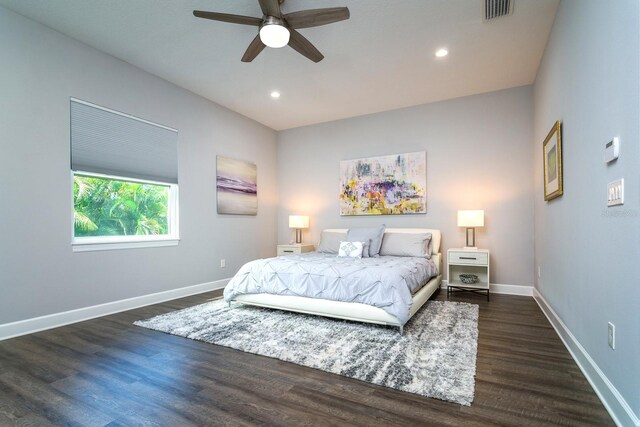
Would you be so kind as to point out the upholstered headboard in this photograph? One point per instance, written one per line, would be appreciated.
(435, 234)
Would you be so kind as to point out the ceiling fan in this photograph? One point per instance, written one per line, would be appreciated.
(278, 29)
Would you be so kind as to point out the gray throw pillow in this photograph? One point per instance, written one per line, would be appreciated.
(330, 242)
(364, 234)
(406, 244)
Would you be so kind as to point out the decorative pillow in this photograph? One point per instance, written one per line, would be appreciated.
(364, 234)
(406, 244)
(350, 249)
(365, 247)
(330, 241)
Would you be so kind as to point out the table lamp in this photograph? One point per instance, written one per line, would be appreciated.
(471, 220)
(298, 222)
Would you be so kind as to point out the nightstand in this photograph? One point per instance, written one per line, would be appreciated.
(461, 261)
(294, 248)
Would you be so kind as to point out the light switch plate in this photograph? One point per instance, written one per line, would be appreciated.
(615, 193)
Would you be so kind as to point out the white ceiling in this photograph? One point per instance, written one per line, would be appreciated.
(380, 59)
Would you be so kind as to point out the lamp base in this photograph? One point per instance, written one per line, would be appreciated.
(471, 242)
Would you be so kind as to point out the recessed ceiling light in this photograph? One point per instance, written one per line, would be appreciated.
(441, 53)
(275, 94)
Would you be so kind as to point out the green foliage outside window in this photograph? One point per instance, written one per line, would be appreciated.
(109, 207)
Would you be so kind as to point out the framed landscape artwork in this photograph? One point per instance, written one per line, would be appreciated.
(385, 185)
(552, 153)
(236, 185)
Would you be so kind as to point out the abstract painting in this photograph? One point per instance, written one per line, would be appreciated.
(552, 152)
(236, 182)
(385, 185)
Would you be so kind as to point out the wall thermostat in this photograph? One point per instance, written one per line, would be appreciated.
(612, 150)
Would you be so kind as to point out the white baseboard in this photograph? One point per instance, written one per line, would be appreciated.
(36, 324)
(496, 288)
(613, 401)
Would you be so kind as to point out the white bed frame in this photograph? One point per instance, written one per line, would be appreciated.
(351, 310)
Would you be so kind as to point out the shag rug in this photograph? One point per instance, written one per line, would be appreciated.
(436, 356)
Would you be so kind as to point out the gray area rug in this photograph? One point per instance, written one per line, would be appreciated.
(436, 356)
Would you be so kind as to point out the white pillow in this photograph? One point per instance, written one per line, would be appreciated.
(350, 249)
(365, 247)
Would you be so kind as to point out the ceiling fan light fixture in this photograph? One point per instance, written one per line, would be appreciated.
(278, 30)
(273, 33)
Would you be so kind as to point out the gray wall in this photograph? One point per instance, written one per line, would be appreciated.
(39, 273)
(478, 157)
(589, 254)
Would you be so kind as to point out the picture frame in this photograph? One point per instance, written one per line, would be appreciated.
(552, 162)
(393, 184)
(236, 186)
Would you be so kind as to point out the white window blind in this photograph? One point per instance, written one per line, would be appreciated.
(108, 142)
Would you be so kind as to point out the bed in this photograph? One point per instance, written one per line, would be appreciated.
(385, 290)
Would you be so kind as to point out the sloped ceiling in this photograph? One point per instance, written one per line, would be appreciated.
(382, 58)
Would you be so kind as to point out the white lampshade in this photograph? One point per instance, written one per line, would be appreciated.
(274, 35)
(298, 221)
(471, 218)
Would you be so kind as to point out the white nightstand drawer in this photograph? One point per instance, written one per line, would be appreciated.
(288, 251)
(469, 257)
(293, 249)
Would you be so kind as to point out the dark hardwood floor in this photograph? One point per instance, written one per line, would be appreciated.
(108, 372)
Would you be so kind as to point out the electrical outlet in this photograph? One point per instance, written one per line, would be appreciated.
(612, 336)
(223, 263)
(539, 272)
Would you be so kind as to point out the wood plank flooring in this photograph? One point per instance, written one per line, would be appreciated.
(108, 372)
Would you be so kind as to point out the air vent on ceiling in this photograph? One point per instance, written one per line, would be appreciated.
(496, 8)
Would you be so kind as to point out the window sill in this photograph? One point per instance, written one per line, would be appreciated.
(109, 246)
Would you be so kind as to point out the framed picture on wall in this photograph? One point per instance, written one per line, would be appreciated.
(552, 154)
(237, 186)
(384, 185)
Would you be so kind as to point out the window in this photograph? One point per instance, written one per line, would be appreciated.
(111, 206)
(125, 180)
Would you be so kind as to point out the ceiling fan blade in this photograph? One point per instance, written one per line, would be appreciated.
(253, 50)
(270, 8)
(304, 46)
(225, 17)
(316, 17)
